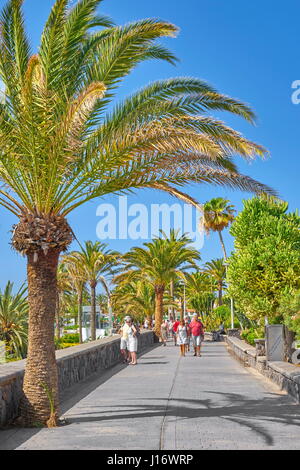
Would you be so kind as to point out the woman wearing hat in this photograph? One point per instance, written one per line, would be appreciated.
(124, 341)
(132, 341)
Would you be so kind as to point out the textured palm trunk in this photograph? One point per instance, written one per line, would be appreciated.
(159, 308)
(57, 317)
(181, 309)
(93, 311)
(172, 298)
(79, 301)
(40, 403)
(223, 245)
(220, 294)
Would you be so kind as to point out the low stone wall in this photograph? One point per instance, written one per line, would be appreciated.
(284, 374)
(75, 364)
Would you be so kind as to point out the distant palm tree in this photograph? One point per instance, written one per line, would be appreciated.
(218, 214)
(96, 263)
(199, 290)
(160, 262)
(135, 298)
(63, 143)
(77, 279)
(217, 269)
(14, 320)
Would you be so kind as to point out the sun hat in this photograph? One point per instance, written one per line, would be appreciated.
(127, 318)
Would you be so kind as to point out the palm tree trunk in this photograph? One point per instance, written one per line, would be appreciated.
(57, 317)
(172, 298)
(40, 403)
(223, 245)
(181, 309)
(93, 311)
(220, 294)
(159, 308)
(79, 300)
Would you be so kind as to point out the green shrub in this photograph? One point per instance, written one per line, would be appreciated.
(70, 338)
(251, 334)
(71, 327)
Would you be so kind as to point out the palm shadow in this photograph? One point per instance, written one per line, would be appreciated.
(238, 408)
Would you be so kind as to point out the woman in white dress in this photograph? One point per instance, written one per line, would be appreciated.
(182, 337)
(124, 341)
(132, 341)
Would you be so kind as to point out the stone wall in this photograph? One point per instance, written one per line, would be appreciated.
(75, 364)
(284, 374)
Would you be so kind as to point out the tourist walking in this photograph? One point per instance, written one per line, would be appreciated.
(182, 337)
(164, 332)
(187, 324)
(132, 341)
(174, 330)
(123, 331)
(197, 330)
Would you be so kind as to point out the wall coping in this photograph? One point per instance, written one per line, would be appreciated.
(241, 344)
(290, 371)
(9, 370)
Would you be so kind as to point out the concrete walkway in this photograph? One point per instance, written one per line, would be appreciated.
(167, 402)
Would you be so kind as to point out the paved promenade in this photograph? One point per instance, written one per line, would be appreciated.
(168, 402)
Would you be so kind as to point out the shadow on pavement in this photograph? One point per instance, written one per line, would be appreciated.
(247, 412)
(12, 437)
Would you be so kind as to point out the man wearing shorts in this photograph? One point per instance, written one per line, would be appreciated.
(197, 331)
(174, 330)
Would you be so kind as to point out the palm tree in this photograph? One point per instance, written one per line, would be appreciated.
(160, 262)
(135, 298)
(63, 143)
(14, 320)
(63, 288)
(199, 291)
(96, 262)
(217, 270)
(77, 279)
(218, 214)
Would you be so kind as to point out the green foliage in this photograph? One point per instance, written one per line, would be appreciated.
(266, 261)
(71, 327)
(70, 338)
(160, 261)
(14, 321)
(290, 310)
(71, 143)
(249, 335)
(222, 314)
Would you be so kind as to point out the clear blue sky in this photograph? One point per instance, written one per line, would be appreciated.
(249, 50)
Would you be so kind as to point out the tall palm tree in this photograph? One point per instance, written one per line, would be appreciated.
(96, 262)
(14, 320)
(160, 262)
(218, 214)
(217, 270)
(63, 143)
(63, 288)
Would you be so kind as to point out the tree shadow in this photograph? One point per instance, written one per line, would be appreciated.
(251, 413)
